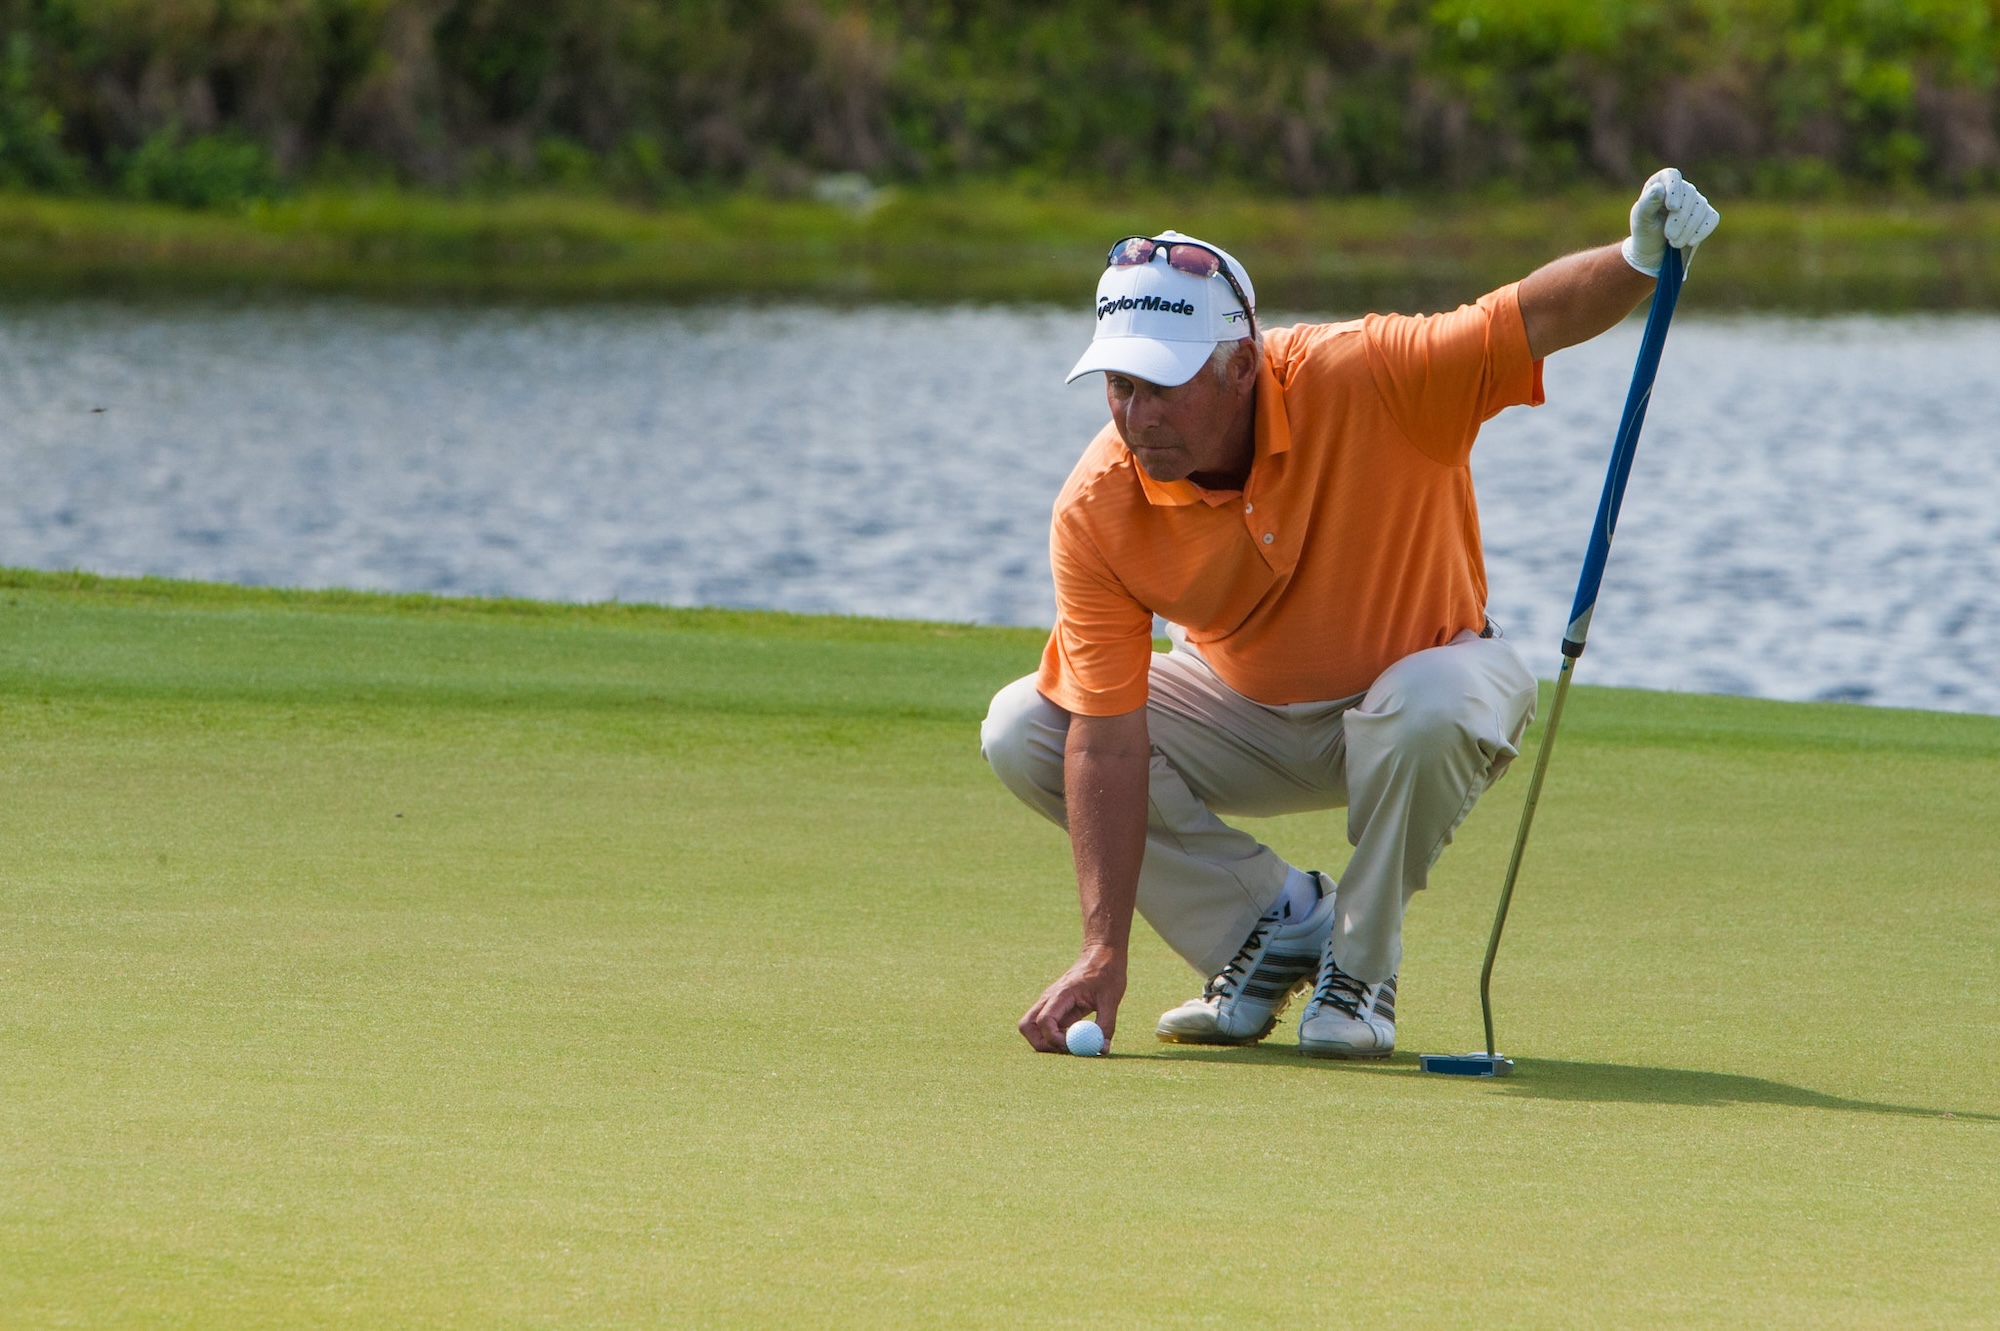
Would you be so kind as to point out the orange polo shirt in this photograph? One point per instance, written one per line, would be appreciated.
(1354, 543)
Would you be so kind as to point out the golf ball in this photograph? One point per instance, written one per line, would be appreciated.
(1086, 1038)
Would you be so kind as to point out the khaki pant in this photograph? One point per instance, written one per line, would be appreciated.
(1408, 759)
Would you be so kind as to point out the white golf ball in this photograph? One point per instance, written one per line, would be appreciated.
(1086, 1039)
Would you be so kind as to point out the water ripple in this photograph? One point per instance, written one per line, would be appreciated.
(1813, 514)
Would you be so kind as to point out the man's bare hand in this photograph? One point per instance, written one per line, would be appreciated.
(1096, 983)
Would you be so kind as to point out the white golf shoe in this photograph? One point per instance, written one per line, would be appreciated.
(1346, 1018)
(1243, 1001)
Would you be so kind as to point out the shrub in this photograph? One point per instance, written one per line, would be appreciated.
(31, 150)
(657, 96)
(207, 171)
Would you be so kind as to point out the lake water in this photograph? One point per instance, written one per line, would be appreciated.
(1815, 512)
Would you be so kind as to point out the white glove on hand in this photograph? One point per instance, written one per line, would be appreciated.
(1669, 212)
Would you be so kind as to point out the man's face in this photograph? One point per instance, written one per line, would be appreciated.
(1190, 429)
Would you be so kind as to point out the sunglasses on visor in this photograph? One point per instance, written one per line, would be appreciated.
(1183, 256)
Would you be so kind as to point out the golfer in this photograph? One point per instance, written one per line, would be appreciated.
(1296, 504)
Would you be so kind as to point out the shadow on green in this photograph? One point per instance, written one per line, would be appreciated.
(1600, 1083)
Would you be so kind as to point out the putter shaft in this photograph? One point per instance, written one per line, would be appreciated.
(1673, 269)
(1520, 846)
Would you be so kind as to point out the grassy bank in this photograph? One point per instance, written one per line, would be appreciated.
(972, 244)
(394, 961)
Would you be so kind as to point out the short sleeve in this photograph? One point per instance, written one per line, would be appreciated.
(1101, 650)
(1442, 375)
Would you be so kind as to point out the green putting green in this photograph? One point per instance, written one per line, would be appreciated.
(390, 962)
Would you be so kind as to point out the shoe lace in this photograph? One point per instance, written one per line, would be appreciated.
(1341, 990)
(1224, 982)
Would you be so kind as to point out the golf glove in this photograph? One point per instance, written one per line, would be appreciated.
(1669, 212)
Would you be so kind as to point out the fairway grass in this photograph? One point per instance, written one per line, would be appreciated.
(398, 962)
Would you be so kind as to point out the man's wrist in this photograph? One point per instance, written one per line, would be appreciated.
(1105, 950)
(1630, 249)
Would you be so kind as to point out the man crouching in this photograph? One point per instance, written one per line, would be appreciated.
(1297, 504)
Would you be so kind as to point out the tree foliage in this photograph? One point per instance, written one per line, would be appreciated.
(209, 98)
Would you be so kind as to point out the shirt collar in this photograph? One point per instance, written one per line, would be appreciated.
(1273, 435)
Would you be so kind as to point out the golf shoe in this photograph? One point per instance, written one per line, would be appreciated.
(1243, 1001)
(1346, 1018)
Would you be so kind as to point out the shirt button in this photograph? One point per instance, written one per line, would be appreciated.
(1249, 508)
(1269, 537)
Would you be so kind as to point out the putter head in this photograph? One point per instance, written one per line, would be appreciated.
(1466, 1065)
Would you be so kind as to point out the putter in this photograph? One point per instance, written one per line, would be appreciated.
(1665, 296)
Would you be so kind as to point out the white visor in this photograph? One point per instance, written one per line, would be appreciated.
(1159, 324)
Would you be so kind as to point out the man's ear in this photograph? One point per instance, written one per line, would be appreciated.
(1243, 365)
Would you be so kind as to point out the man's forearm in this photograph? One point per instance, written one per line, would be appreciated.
(1105, 761)
(1104, 787)
(1579, 296)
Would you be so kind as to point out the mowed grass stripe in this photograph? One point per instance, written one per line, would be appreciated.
(681, 991)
